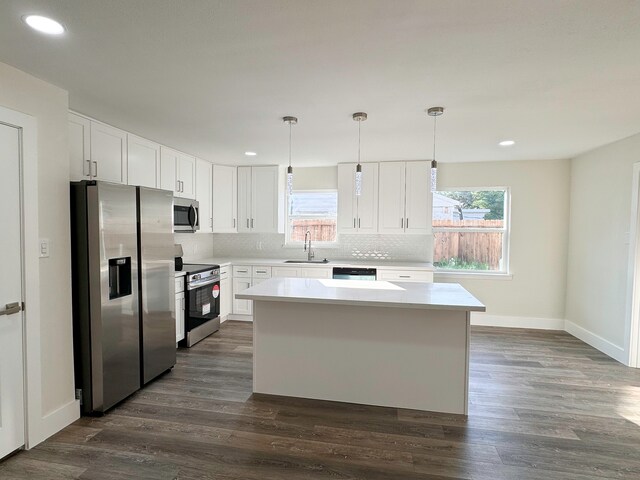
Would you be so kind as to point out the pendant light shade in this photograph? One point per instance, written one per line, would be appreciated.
(434, 112)
(291, 121)
(359, 117)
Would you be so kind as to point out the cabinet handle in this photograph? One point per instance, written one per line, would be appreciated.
(261, 271)
(354, 223)
(247, 223)
(358, 223)
(83, 168)
(177, 185)
(252, 223)
(211, 222)
(407, 222)
(402, 223)
(95, 164)
(404, 276)
(234, 223)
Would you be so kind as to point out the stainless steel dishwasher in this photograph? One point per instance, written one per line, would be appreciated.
(351, 273)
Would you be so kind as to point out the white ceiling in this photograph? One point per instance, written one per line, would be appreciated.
(214, 78)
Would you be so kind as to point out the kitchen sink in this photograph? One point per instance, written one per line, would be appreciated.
(307, 261)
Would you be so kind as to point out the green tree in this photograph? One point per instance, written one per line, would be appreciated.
(492, 200)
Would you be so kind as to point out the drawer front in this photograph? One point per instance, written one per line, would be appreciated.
(406, 275)
(224, 273)
(180, 284)
(243, 272)
(285, 272)
(261, 272)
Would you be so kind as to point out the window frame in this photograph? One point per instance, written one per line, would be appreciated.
(316, 243)
(506, 236)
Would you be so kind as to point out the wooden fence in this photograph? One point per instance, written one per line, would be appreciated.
(322, 230)
(481, 247)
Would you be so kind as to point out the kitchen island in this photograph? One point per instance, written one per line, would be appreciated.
(391, 344)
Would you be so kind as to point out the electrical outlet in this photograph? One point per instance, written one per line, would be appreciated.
(44, 248)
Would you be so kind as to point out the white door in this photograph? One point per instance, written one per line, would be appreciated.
(264, 199)
(225, 199)
(346, 198)
(391, 197)
(12, 418)
(244, 199)
(168, 170)
(418, 203)
(108, 153)
(187, 175)
(204, 178)
(368, 201)
(143, 162)
(79, 148)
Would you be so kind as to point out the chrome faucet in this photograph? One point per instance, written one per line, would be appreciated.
(310, 253)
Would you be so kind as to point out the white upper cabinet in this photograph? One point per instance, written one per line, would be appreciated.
(392, 197)
(79, 147)
(143, 162)
(108, 153)
(260, 199)
(204, 179)
(418, 198)
(357, 213)
(405, 199)
(225, 199)
(178, 173)
(186, 171)
(168, 170)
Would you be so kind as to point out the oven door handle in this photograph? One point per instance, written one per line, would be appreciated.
(193, 286)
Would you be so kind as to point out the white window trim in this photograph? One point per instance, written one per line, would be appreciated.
(288, 243)
(505, 273)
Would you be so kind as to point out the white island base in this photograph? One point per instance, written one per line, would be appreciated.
(393, 356)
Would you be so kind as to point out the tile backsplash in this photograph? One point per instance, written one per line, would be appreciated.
(195, 245)
(348, 247)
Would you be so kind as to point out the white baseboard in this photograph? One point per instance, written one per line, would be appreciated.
(241, 318)
(596, 341)
(55, 421)
(484, 319)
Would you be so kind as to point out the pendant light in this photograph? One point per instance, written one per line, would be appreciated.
(434, 112)
(359, 117)
(291, 121)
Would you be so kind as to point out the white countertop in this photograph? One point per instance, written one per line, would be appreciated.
(280, 262)
(430, 296)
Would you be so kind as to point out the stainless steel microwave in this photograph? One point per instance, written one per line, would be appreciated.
(186, 215)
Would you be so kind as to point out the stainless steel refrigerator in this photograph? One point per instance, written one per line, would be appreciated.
(123, 290)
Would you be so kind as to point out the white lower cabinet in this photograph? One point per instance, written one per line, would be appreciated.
(180, 314)
(315, 272)
(279, 272)
(241, 307)
(405, 275)
(226, 297)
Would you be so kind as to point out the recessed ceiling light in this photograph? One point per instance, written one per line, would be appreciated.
(507, 143)
(43, 24)
(250, 154)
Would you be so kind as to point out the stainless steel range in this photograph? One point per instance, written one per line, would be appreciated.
(202, 295)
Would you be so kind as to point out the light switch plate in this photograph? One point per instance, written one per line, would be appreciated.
(44, 248)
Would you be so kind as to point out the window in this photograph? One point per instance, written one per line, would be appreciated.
(471, 230)
(314, 211)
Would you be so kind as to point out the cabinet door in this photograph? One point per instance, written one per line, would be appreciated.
(180, 305)
(285, 272)
(241, 307)
(168, 170)
(368, 201)
(143, 162)
(244, 199)
(225, 199)
(108, 153)
(418, 198)
(187, 175)
(315, 272)
(391, 197)
(204, 179)
(79, 147)
(346, 198)
(264, 199)
(226, 298)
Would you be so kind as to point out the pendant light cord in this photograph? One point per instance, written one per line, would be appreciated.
(359, 123)
(289, 144)
(435, 119)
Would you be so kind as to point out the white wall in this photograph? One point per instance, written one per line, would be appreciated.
(535, 296)
(49, 105)
(601, 182)
(315, 178)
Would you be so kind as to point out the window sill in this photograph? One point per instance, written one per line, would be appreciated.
(451, 275)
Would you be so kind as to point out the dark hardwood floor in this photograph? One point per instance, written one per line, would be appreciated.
(543, 405)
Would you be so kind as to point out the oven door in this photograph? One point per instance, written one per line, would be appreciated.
(186, 216)
(203, 304)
